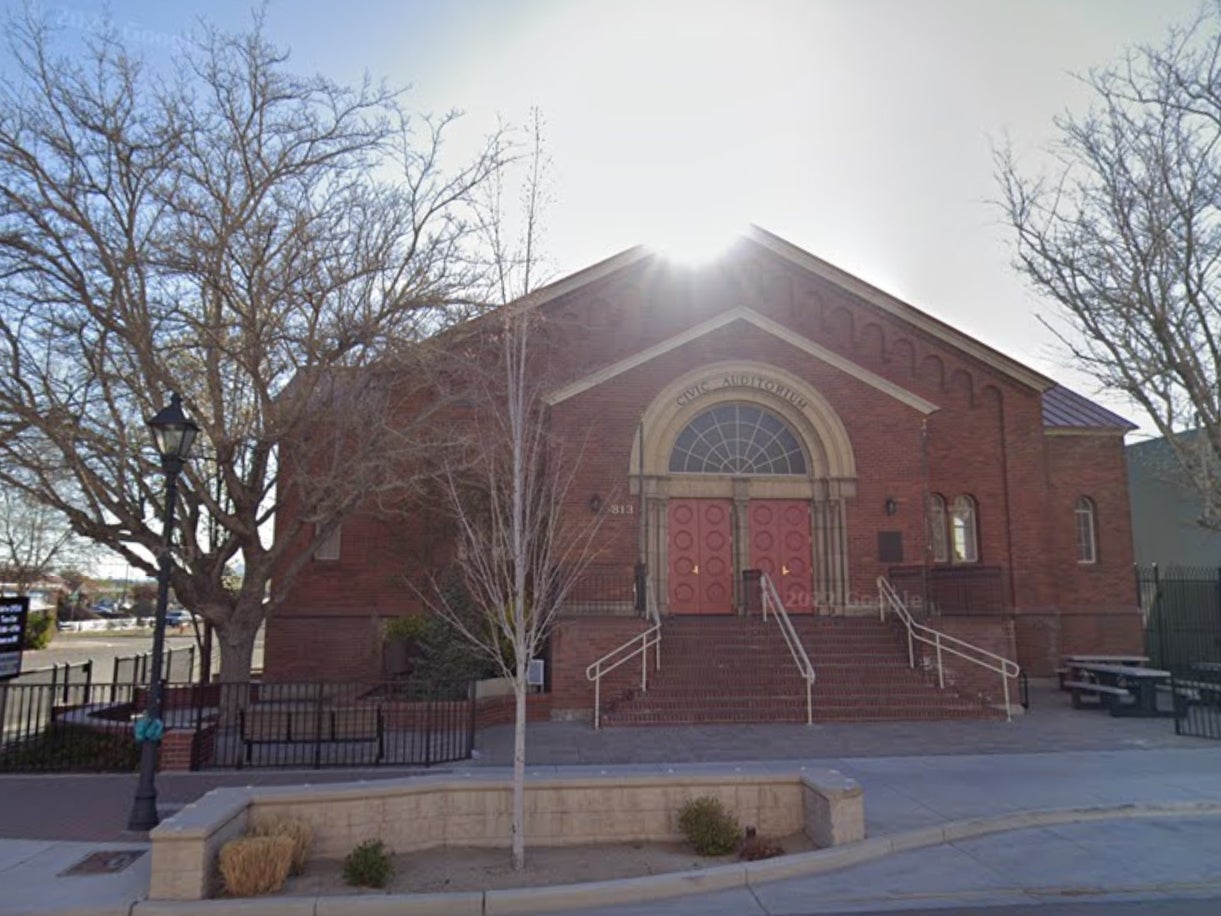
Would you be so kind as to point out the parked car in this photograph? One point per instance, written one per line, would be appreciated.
(177, 617)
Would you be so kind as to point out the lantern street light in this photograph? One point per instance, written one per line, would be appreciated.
(173, 433)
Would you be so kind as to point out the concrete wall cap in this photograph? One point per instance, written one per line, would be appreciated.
(215, 808)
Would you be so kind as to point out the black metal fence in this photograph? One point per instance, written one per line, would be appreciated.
(386, 723)
(46, 725)
(1182, 612)
(951, 589)
(177, 665)
(77, 724)
(602, 591)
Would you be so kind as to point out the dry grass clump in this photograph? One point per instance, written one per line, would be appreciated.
(254, 865)
(301, 834)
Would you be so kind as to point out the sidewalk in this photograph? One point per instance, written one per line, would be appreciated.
(915, 775)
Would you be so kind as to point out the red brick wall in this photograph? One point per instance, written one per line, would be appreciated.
(1044, 638)
(502, 710)
(575, 644)
(322, 646)
(178, 751)
(993, 634)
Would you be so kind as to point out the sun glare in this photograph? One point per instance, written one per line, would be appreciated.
(694, 241)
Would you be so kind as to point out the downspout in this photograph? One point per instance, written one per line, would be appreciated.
(928, 522)
(1000, 409)
(640, 576)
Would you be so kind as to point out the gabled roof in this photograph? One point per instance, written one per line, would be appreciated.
(829, 272)
(1065, 409)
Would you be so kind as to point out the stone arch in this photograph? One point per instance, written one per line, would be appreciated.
(806, 411)
(828, 481)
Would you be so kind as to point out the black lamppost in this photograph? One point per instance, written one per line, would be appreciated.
(173, 433)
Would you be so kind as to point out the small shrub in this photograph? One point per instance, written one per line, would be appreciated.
(708, 827)
(368, 865)
(255, 865)
(39, 628)
(301, 834)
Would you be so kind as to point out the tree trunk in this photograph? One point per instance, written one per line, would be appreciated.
(519, 765)
(236, 639)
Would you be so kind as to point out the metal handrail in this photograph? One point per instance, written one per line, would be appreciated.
(771, 598)
(943, 642)
(637, 645)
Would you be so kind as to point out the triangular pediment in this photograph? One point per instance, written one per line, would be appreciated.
(831, 274)
(763, 323)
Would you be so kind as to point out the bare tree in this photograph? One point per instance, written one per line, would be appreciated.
(520, 548)
(272, 246)
(1124, 234)
(34, 541)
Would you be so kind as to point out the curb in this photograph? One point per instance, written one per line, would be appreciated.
(567, 897)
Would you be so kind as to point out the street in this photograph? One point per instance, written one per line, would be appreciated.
(104, 647)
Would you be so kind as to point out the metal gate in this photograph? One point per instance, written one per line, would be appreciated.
(68, 722)
(1182, 610)
(325, 724)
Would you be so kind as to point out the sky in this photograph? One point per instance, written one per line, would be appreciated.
(859, 130)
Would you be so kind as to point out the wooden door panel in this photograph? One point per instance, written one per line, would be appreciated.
(683, 537)
(780, 547)
(700, 547)
(716, 557)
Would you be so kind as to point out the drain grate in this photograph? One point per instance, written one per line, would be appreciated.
(104, 862)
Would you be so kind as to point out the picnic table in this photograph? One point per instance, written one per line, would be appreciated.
(1120, 659)
(1065, 671)
(1122, 689)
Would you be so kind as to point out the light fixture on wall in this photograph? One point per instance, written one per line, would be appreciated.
(595, 503)
(890, 505)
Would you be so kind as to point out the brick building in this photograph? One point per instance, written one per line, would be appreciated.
(770, 412)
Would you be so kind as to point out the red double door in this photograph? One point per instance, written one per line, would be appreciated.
(701, 552)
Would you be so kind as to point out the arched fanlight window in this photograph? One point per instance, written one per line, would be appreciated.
(1087, 528)
(937, 528)
(964, 536)
(737, 439)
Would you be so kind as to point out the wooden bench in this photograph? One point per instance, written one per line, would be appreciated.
(1107, 696)
(310, 725)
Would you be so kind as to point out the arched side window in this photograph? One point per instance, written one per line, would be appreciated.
(1087, 531)
(737, 439)
(964, 536)
(937, 528)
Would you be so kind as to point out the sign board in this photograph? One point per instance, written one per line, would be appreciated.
(13, 614)
(535, 673)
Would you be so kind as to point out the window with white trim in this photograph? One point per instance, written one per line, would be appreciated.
(1087, 531)
(937, 528)
(328, 547)
(738, 439)
(964, 536)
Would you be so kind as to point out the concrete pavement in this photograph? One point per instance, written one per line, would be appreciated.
(916, 776)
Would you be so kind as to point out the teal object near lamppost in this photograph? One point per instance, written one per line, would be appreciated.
(173, 433)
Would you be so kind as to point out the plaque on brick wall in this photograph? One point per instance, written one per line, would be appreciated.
(890, 546)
